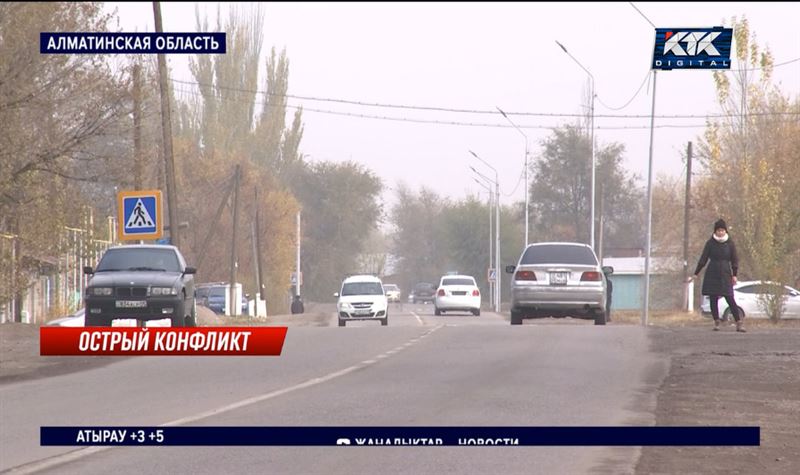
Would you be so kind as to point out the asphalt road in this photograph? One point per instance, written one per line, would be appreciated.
(421, 370)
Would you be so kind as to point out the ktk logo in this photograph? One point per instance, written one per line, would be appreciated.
(696, 42)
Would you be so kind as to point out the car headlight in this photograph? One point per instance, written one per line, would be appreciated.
(100, 291)
(163, 291)
(344, 306)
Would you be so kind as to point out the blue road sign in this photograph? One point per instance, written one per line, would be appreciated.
(140, 214)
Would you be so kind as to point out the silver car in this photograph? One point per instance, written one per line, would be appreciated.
(749, 296)
(558, 279)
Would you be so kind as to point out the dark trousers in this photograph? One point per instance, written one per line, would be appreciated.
(714, 301)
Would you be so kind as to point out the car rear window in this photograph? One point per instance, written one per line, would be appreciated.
(217, 292)
(424, 287)
(461, 281)
(559, 254)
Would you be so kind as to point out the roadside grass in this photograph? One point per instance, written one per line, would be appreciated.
(677, 318)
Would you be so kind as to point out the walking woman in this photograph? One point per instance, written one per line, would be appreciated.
(723, 264)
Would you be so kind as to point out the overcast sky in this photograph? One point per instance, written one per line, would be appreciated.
(478, 56)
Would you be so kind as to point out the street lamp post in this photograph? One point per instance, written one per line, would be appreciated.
(527, 201)
(497, 273)
(591, 232)
(488, 189)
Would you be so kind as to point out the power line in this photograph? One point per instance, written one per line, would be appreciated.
(466, 111)
(644, 80)
(643, 15)
(521, 176)
(458, 123)
(468, 124)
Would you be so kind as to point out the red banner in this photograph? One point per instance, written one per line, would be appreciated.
(207, 341)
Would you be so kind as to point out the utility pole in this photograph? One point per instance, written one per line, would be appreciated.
(600, 230)
(166, 129)
(214, 222)
(234, 304)
(491, 211)
(137, 127)
(497, 286)
(297, 267)
(686, 207)
(257, 243)
(646, 290)
(527, 193)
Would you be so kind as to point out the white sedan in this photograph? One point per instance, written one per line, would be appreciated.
(457, 293)
(749, 296)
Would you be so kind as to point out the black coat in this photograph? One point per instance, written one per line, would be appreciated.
(723, 264)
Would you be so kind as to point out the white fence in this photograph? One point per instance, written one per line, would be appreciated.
(57, 287)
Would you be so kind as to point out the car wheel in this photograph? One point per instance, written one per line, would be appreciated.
(191, 320)
(178, 317)
(385, 321)
(516, 317)
(476, 312)
(342, 323)
(600, 318)
(436, 311)
(728, 315)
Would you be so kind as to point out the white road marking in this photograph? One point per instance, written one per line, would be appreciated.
(39, 465)
(418, 319)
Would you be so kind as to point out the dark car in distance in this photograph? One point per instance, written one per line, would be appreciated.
(142, 282)
(213, 296)
(423, 292)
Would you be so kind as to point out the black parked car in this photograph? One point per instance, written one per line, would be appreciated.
(142, 282)
(424, 292)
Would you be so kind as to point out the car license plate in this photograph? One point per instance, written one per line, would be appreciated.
(362, 312)
(558, 278)
(131, 303)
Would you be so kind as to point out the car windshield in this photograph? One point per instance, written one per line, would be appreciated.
(362, 288)
(460, 281)
(390, 287)
(139, 259)
(559, 254)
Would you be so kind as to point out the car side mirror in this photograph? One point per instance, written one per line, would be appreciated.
(190, 270)
(336, 294)
(608, 270)
(88, 270)
(510, 269)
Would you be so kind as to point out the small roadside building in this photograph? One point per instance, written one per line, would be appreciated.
(666, 285)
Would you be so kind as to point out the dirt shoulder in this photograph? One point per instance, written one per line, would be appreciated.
(729, 379)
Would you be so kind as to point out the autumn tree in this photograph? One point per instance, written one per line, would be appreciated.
(560, 192)
(752, 154)
(57, 114)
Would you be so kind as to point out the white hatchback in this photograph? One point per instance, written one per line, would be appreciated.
(362, 297)
(457, 293)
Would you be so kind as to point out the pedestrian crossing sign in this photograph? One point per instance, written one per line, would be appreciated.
(139, 215)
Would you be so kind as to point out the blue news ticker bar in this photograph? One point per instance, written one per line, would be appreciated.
(414, 436)
(132, 43)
